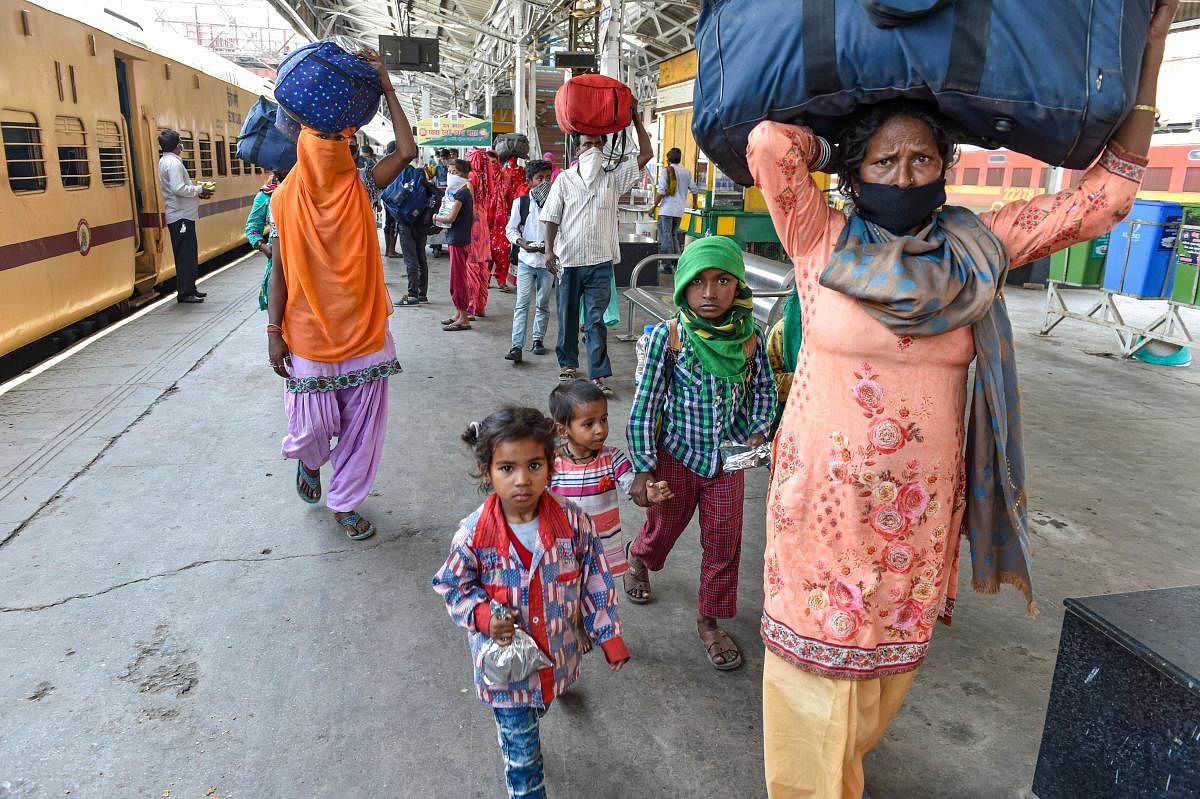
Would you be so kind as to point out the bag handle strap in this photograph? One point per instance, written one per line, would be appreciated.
(819, 39)
(968, 45)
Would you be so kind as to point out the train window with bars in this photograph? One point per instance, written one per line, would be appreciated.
(258, 170)
(71, 141)
(1158, 178)
(206, 156)
(222, 153)
(112, 153)
(189, 152)
(1191, 179)
(970, 176)
(23, 151)
(995, 176)
(235, 163)
(1044, 178)
(1021, 176)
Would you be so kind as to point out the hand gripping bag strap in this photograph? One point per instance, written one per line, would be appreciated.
(819, 32)
(968, 46)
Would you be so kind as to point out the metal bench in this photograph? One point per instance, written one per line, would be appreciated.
(770, 280)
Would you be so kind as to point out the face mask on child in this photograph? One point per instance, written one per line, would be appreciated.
(454, 183)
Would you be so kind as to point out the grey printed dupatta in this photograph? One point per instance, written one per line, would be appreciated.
(949, 276)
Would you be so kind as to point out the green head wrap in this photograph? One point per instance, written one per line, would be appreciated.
(718, 345)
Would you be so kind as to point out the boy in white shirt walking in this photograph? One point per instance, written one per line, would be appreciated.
(527, 233)
(673, 188)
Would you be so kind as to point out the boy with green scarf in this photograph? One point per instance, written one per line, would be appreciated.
(707, 380)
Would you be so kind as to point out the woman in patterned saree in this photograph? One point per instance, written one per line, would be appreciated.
(871, 487)
(328, 309)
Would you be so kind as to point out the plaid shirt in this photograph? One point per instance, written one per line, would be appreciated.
(547, 595)
(697, 411)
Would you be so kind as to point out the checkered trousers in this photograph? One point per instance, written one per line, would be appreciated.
(720, 500)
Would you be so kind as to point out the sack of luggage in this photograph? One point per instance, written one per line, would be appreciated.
(593, 105)
(511, 145)
(261, 143)
(407, 196)
(326, 88)
(1052, 80)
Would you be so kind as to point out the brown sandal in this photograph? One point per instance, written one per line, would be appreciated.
(636, 582)
(725, 645)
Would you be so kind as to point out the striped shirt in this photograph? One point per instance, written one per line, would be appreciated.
(698, 411)
(563, 576)
(593, 487)
(587, 216)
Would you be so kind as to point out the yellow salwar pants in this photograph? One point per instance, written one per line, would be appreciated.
(816, 729)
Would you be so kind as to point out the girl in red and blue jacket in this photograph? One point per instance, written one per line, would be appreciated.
(537, 555)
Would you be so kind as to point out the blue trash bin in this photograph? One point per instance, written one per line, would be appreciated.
(1140, 251)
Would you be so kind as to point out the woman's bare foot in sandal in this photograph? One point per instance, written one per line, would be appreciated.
(636, 579)
(356, 527)
(581, 634)
(722, 651)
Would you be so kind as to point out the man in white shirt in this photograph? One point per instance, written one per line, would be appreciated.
(527, 234)
(581, 241)
(181, 204)
(675, 186)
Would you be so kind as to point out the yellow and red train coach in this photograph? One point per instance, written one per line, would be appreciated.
(81, 216)
(983, 179)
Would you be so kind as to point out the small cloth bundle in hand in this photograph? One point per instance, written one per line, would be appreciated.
(737, 457)
(503, 664)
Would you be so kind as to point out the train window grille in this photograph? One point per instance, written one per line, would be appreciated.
(72, 152)
(1044, 178)
(23, 151)
(995, 176)
(1191, 179)
(222, 158)
(970, 176)
(1021, 176)
(206, 156)
(235, 163)
(189, 152)
(1158, 178)
(113, 171)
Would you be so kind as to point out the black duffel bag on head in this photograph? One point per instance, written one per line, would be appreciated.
(1051, 79)
(509, 145)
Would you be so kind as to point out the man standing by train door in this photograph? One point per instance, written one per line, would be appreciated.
(181, 204)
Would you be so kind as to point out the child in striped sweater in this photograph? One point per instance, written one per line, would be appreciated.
(588, 472)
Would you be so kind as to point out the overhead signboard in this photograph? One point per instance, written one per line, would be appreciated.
(454, 130)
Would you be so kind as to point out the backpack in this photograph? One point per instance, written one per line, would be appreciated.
(425, 225)
(407, 196)
(1052, 80)
(260, 142)
(523, 209)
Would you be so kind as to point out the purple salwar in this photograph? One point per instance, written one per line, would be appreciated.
(355, 415)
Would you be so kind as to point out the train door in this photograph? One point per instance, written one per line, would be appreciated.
(146, 259)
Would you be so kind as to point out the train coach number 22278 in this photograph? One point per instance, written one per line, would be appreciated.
(1019, 193)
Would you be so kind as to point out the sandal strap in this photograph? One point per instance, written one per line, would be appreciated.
(350, 520)
(310, 480)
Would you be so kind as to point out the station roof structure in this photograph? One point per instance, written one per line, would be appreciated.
(479, 39)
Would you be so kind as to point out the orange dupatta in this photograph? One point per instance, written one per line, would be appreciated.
(338, 304)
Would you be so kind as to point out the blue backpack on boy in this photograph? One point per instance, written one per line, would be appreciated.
(327, 89)
(261, 143)
(407, 196)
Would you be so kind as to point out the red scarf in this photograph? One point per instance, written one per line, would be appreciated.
(492, 530)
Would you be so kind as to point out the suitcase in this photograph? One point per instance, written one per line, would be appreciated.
(325, 88)
(1052, 80)
(261, 143)
(593, 105)
(511, 145)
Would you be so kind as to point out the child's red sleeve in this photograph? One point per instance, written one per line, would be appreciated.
(615, 650)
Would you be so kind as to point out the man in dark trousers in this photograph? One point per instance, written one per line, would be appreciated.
(181, 206)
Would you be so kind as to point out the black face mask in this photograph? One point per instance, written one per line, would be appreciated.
(899, 210)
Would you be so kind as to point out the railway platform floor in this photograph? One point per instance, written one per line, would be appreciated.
(175, 622)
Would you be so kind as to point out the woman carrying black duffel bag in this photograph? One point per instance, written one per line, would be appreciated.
(871, 487)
